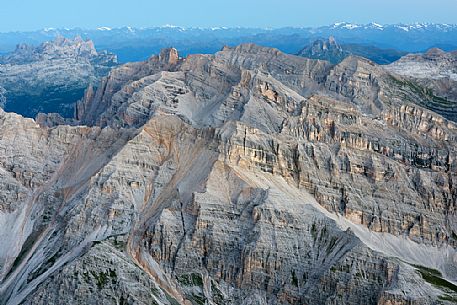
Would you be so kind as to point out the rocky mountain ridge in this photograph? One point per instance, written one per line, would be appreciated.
(60, 48)
(135, 44)
(433, 64)
(245, 177)
(335, 53)
(52, 76)
(328, 50)
(436, 72)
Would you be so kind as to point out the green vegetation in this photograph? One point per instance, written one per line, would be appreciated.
(428, 270)
(448, 297)
(197, 279)
(44, 267)
(122, 301)
(331, 244)
(324, 234)
(184, 280)
(102, 278)
(86, 276)
(304, 277)
(218, 297)
(53, 258)
(430, 99)
(190, 279)
(28, 244)
(454, 236)
(119, 244)
(197, 299)
(113, 276)
(434, 277)
(294, 279)
(314, 231)
(155, 291)
(171, 299)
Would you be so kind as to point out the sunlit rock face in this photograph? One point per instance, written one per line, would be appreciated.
(244, 177)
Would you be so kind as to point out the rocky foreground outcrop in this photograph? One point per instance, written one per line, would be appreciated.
(52, 76)
(244, 177)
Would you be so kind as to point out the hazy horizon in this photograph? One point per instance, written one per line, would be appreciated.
(28, 15)
(105, 27)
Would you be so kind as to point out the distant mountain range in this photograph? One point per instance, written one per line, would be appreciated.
(333, 52)
(132, 44)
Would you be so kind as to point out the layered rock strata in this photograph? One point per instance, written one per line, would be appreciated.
(51, 77)
(244, 177)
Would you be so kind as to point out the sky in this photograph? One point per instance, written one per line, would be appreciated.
(23, 15)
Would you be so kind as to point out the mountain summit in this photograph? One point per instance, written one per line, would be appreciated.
(59, 48)
(248, 176)
(333, 52)
(51, 77)
(135, 44)
(328, 50)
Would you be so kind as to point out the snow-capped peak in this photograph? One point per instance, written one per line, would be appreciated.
(345, 25)
(218, 28)
(337, 24)
(104, 28)
(402, 27)
(376, 26)
(171, 26)
(351, 26)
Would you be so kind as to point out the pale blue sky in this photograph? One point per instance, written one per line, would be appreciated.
(37, 14)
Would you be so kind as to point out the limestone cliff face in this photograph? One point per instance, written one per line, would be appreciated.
(244, 177)
(436, 72)
(363, 124)
(60, 48)
(51, 77)
(91, 109)
(328, 50)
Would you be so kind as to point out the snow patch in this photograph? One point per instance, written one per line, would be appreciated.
(104, 28)
(376, 26)
(351, 26)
